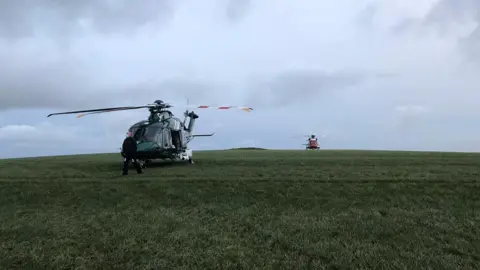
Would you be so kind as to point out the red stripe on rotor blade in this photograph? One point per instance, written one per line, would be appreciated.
(203, 107)
(224, 108)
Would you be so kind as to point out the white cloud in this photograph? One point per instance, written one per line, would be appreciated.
(45, 138)
(411, 110)
(39, 134)
(246, 143)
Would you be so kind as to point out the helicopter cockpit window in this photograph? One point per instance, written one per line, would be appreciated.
(137, 134)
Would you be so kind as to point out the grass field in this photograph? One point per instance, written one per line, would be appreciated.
(244, 209)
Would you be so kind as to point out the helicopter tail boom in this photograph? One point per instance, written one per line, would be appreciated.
(202, 135)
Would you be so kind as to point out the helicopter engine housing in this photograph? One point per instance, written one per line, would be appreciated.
(173, 124)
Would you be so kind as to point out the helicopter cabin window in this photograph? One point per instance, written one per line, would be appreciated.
(151, 133)
(165, 115)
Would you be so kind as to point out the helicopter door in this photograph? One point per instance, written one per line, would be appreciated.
(183, 135)
(165, 139)
(176, 139)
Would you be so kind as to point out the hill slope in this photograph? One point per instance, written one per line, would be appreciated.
(264, 209)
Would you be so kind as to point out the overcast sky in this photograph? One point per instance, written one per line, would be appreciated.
(385, 74)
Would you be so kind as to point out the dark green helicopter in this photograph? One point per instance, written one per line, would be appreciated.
(162, 135)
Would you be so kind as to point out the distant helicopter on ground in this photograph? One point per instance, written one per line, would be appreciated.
(162, 135)
(312, 142)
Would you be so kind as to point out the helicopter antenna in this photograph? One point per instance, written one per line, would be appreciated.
(186, 112)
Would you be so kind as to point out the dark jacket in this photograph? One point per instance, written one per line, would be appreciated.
(129, 147)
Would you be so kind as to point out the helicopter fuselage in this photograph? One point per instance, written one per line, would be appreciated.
(163, 136)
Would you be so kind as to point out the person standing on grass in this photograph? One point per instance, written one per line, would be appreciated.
(129, 149)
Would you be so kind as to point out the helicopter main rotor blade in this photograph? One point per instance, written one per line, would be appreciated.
(300, 136)
(114, 110)
(101, 110)
(247, 109)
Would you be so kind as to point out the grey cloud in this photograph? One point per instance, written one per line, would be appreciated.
(300, 85)
(30, 82)
(405, 25)
(72, 84)
(179, 88)
(41, 86)
(447, 11)
(441, 17)
(472, 43)
(408, 119)
(458, 10)
(59, 86)
(237, 9)
(366, 15)
(61, 19)
(62, 86)
(283, 89)
(22, 18)
(62, 89)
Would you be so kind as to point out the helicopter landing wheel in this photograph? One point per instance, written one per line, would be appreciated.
(145, 163)
(190, 160)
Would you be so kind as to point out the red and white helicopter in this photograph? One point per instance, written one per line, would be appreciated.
(312, 142)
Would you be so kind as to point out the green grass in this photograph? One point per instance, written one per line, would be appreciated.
(243, 209)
